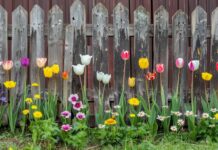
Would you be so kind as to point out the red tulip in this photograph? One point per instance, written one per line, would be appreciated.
(216, 66)
(160, 68)
(125, 55)
(150, 76)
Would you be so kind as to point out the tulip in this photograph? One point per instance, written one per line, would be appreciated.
(143, 63)
(160, 68)
(106, 78)
(179, 63)
(55, 68)
(78, 69)
(125, 55)
(25, 61)
(48, 73)
(131, 82)
(151, 76)
(99, 76)
(85, 59)
(206, 76)
(216, 66)
(193, 65)
(65, 75)
(7, 65)
(40, 62)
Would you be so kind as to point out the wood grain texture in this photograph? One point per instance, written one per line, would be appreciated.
(37, 47)
(19, 50)
(141, 46)
(121, 42)
(180, 50)
(55, 46)
(161, 20)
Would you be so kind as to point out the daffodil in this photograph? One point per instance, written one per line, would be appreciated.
(28, 100)
(110, 121)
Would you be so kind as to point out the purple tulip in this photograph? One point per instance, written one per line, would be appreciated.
(66, 114)
(25, 61)
(80, 115)
(66, 127)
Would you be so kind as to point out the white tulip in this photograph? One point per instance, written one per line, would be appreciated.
(85, 59)
(78, 69)
(99, 76)
(106, 78)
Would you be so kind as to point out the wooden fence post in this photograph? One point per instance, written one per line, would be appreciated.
(19, 50)
(78, 20)
(55, 46)
(214, 50)
(37, 47)
(68, 61)
(141, 46)
(180, 50)
(100, 48)
(199, 49)
(161, 19)
(121, 42)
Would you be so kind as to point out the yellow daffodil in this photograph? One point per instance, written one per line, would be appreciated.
(34, 107)
(55, 68)
(132, 115)
(28, 100)
(37, 96)
(48, 73)
(25, 112)
(134, 101)
(206, 76)
(216, 116)
(37, 114)
(35, 84)
(131, 82)
(143, 63)
(9, 84)
(110, 121)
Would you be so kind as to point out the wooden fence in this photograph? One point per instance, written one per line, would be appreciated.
(66, 42)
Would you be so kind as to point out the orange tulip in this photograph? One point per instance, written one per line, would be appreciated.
(7, 65)
(65, 75)
(40, 62)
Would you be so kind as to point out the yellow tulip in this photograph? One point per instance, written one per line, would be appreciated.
(131, 82)
(9, 84)
(48, 73)
(143, 63)
(55, 68)
(206, 76)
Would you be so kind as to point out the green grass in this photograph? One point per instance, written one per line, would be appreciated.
(169, 142)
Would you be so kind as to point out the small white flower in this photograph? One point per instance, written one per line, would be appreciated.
(101, 126)
(162, 118)
(106, 78)
(117, 107)
(115, 114)
(213, 110)
(99, 76)
(205, 115)
(78, 69)
(188, 113)
(212, 125)
(173, 128)
(141, 114)
(107, 111)
(177, 113)
(180, 122)
(85, 59)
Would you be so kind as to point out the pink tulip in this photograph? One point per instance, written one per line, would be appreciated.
(179, 63)
(7, 65)
(193, 65)
(160, 68)
(125, 55)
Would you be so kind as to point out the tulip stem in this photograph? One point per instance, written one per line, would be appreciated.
(80, 80)
(124, 73)
(99, 92)
(205, 89)
(178, 82)
(146, 86)
(192, 92)
(85, 82)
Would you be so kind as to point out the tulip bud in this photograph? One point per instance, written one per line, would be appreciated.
(40, 62)
(193, 65)
(160, 68)
(125, 55)
(7, 65)
(85, 59)
(131, 82)
(179, 63)
(99, 76)
(78, 69)
(106, 78)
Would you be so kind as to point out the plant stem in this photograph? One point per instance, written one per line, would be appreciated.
(124, 73)
(84, 82)
(178, 82)
(205, 90)
(192, 91)
(146, 86)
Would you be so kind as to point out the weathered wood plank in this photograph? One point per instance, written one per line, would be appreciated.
(161, 19)
(180, 50)
(214, 49)
(199, 48)
(55, 46)
(100, 46)
(141, 46)
(37, 47)
(121, 42)
(78, 20)
(68, 61)
(3, 41)
(19, 49)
